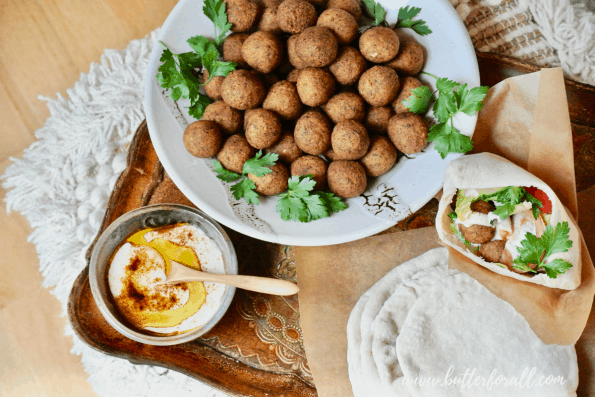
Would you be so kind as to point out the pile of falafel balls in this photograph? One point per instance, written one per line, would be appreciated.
(308, 84)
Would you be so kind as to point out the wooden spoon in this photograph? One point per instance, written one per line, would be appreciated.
(180, 273)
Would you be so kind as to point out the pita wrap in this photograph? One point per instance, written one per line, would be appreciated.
(488, 171)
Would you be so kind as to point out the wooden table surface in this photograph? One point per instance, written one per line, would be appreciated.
(45, 45)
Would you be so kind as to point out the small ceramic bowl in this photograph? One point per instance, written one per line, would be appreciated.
(155, 216)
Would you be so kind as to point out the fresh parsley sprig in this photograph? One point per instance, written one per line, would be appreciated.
(509, 197)
(536, 250)
(258, 166)
(376, 10)
(452, 98)
(177, 70)
(405, 20)
(216, 12)
(300, 204)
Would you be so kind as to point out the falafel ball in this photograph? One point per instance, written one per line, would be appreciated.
(213, 87)
(341, 23)
(263, 128)
(317, 47)
(379, 44)
(477, 234)
(227, 118)
(379, 85)
(292, 77)
(313, 133)
(286, 148)
(348, 66)
(202, 139)
(315, 86)
(410, 58)
(235, 152)
(346, 106)
(350, 140)
(263, 51)
(284, 100)
(311, 165)
(232, 49)
(483, 207)
(273, 183)
(331, 155)
(408, 132)
(346, 178)
(293, 16)
(268, 20)
(294, 58)
(378, 118)
(408, 84)
(381, 156)
(351, 6)
(492, 250)
(242, 14)
(242, 90)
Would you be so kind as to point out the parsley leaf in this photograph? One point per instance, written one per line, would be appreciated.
(259, 164)
(175, 73)
(419, 101)
(245, 188)
(535, 250)
(406, 15)
(509, 197)
(300, 205)
(448, 139)
(376, 10)
(215, 11)
(332, 202)
(452, 98)
(223, 174)
(452, 215)
(469, 101)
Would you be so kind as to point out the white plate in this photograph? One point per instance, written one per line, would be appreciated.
(389, 198)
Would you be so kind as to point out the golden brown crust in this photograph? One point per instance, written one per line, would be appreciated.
(408, 132)
(379, 85)
(408, 84)
(227, 118)
(286, 148)
(293, 16)
(263, 51)
(263, 128)
(379, 44)
(346, 178)
(202, 139)
(350, 140)
(381, 156)
(311, 165)
(313, 133)
(242, 14)
(315, 86)
(341, 23)
(378, 118)
(242, 90)
(273, 183)
(346, 106)
(235, 152)
(232, 48)
(348, 66)
(351, 6)
(284, 100)
(410, 59)
(317, 47)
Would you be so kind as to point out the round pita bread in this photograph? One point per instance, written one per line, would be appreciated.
(459, 323)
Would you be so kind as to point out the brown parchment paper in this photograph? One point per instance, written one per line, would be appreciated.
(332, 278)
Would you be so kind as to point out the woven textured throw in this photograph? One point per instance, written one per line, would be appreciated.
(62, 183)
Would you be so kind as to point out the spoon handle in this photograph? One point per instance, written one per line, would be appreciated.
(265, 285)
